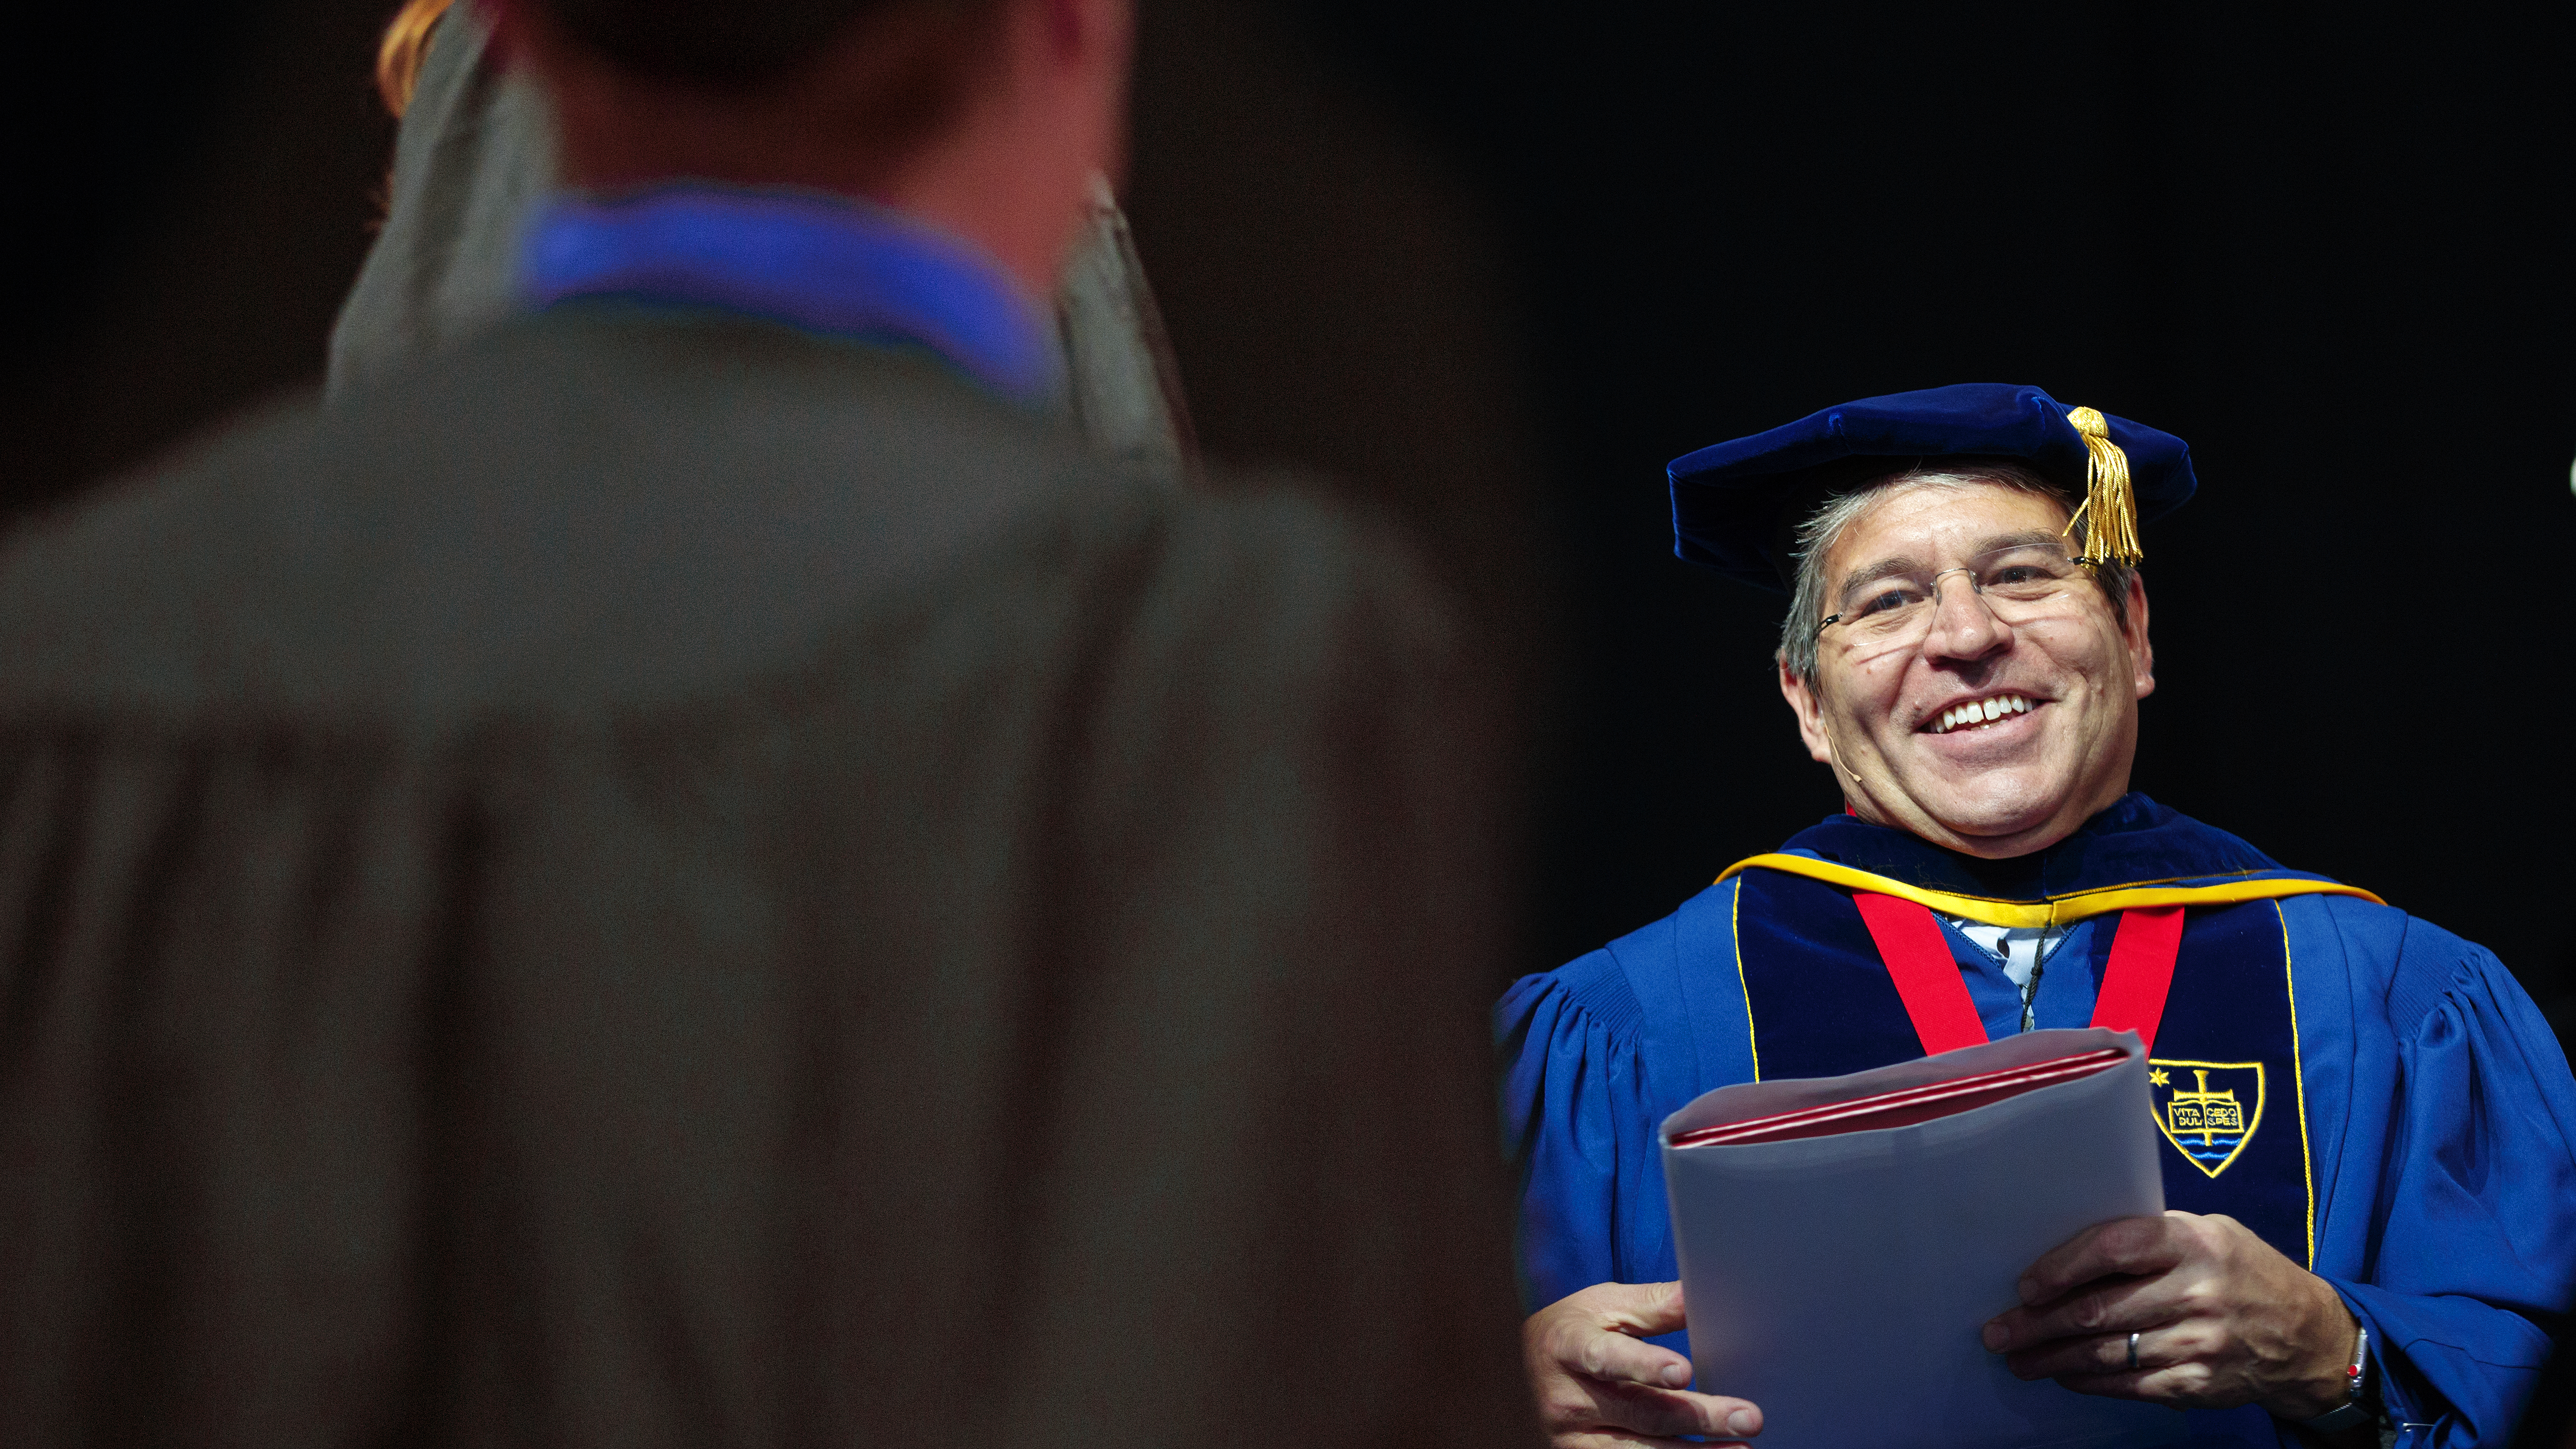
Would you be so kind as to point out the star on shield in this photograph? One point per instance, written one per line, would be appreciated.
(2211, 1114)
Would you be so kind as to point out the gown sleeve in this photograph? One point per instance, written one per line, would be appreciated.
(2475, 1239)
(1578, 1123)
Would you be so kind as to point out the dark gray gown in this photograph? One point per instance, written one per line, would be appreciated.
(660, 881)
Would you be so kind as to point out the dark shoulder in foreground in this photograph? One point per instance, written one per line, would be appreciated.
(602, 509)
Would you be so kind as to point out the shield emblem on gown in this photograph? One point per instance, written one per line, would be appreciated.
(2207, 1110)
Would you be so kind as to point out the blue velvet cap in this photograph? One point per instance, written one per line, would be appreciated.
(1736, 505)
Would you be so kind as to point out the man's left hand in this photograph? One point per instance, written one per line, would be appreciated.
(2222, 1319)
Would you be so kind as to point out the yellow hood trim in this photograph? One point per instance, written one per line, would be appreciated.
(2060, 911)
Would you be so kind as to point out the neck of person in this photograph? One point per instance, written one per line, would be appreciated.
(1006, 166)
(2048, 829)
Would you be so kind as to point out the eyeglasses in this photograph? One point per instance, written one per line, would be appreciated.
(2018, 582)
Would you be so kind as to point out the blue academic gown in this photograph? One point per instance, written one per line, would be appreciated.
(2440, 1119)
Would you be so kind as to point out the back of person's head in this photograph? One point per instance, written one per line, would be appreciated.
(988, 118)
(898, 68)
(740, 43)
(726, 47)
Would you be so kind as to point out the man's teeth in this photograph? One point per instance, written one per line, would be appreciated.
(1979, 711)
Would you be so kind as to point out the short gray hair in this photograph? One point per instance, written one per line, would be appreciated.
(1820, 530)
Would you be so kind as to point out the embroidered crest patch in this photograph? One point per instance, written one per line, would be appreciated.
(2207, 1110)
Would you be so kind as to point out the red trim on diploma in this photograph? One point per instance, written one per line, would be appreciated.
(2134, 982)
(1905, 1106)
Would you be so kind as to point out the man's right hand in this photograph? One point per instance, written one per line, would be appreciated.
(1599, 1387)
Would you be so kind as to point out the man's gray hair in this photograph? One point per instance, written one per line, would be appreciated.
(1820, 530)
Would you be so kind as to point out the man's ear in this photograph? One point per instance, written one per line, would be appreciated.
(2133, 628)
(1810, 712)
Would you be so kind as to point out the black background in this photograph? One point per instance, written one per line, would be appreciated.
(1496, 264)
(2328, 246)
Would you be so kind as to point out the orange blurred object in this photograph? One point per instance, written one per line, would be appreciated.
(399, 56)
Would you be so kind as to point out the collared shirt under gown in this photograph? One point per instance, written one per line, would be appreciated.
(670, 881)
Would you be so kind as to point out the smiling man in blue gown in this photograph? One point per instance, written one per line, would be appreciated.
(2372, 1167)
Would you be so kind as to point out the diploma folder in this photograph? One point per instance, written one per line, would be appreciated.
(1844, 1239)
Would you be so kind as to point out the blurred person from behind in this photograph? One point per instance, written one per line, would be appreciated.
(700, 870)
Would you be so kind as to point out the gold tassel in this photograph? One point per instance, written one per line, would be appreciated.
(2110, 509)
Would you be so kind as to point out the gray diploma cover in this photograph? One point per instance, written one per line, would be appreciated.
(1840, 1281)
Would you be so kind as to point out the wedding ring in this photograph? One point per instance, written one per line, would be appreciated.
(2133, 1353)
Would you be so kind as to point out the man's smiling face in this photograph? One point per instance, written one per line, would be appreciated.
(1990, 737)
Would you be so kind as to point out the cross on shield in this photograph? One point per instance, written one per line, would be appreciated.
(2207, 1110)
